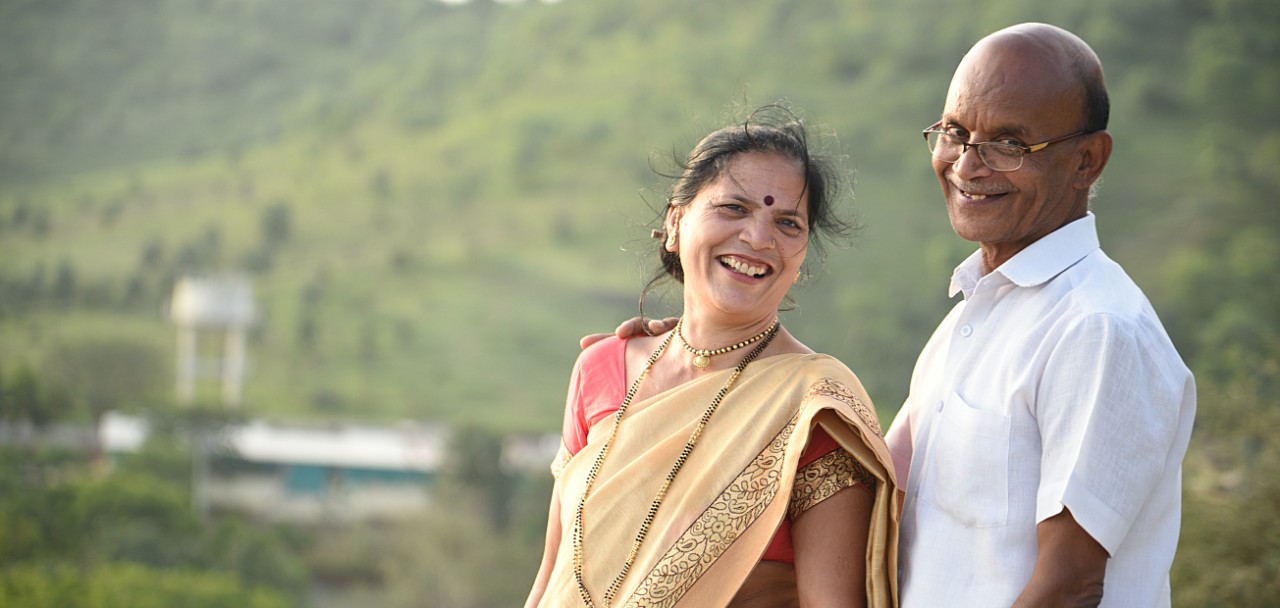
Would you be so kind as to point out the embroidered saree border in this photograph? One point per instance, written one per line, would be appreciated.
(703, 563)
(736, 509)
(739, 506)
(830, 388)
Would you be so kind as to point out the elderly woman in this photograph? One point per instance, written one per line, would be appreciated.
(723, 462)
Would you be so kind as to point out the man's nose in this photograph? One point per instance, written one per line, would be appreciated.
(970, 164)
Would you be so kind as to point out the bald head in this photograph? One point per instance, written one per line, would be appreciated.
(1058, 57)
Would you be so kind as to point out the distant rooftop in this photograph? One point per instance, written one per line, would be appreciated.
(404, 447)
(224, 301)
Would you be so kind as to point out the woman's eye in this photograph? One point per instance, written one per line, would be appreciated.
(791, 226)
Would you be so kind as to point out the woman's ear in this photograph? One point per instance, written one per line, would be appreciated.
(672, 224)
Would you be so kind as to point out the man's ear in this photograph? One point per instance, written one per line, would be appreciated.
(1093, 154)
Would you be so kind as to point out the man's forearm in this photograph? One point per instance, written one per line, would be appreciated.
(1070, 567)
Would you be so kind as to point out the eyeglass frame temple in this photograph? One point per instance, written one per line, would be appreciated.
(965, 145)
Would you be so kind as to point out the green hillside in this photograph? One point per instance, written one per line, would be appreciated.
(434, 201)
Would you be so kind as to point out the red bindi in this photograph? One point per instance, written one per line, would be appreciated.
(768, 200)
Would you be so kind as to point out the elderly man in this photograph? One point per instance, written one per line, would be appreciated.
(1043, 436)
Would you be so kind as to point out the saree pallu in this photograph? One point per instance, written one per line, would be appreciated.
(723, 508)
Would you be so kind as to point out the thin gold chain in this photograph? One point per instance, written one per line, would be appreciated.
(702, 356)
(675, 469)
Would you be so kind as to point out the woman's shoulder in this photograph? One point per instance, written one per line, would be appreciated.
(819, 372)
(606, 352)
(601, 370)
(820, 365)
(819, 381)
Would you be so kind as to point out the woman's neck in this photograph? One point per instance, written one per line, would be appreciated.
(714, 331)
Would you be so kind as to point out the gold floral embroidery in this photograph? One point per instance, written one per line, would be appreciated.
(737, 507)
(834, 389)
(822, 478)
(560, 462)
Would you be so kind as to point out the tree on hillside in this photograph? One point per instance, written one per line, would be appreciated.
(23, 400)
(474, 475)
(103, 373)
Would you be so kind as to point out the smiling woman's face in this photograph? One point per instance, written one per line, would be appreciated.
(742, 239)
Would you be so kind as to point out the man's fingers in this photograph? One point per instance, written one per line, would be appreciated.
(657, 326)
(629, 328)
(635, 326)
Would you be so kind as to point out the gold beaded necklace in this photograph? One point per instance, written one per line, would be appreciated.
(609, 594)
(702, 356)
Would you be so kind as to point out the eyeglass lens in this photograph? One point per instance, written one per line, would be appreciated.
(1000, 157)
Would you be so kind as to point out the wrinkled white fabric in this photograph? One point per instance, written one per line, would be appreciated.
(1051, 383)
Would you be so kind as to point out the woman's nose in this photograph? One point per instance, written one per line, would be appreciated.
(759, 233)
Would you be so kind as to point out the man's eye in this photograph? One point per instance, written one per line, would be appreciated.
(1005, 148)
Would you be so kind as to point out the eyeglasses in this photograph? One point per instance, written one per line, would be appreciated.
(998, 155)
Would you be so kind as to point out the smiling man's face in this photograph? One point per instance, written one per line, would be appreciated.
(1011, 89)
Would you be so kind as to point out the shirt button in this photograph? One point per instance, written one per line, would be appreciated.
(940, 404)
(966, 331)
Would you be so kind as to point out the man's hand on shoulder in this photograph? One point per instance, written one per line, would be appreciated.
(632, 327)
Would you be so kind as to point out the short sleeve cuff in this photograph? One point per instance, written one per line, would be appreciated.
(1099, 520)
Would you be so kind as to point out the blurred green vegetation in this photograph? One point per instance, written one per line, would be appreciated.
(436, 201)
(72, 535)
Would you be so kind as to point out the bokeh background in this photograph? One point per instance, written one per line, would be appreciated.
(432, 201)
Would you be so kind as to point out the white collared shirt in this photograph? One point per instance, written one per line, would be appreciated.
(1051, 384)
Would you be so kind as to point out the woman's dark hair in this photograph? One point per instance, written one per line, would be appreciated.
(773, 129)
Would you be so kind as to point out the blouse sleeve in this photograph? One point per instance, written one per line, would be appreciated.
(595, 388)
(825, 469)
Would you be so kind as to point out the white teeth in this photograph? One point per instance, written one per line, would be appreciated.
(743, 267)
(977, 197)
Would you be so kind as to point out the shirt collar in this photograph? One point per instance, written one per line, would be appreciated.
(1039, 262)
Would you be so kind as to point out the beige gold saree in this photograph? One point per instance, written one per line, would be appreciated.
(723, 508)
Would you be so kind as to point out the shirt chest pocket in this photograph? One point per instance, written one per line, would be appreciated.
(967, 471)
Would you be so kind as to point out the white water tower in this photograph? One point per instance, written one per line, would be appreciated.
(220, 304)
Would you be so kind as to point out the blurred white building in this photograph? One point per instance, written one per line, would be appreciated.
(307, 474)
(323, 474)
